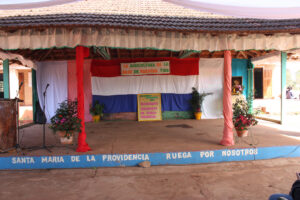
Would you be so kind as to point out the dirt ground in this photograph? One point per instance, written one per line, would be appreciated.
(232, 181)
(162, 136)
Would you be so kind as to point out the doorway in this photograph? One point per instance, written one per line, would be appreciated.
(258, 83)
(1, 87)
(21, 91)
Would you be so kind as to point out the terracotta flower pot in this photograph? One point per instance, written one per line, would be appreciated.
(241, 133)
(198, 115)
(96, 118)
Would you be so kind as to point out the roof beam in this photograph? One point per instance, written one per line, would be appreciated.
(242, 54)
(104, 52)
(268, 55)
(45, 55)
(185, 53)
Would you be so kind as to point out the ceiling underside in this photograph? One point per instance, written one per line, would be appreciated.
(116, 53)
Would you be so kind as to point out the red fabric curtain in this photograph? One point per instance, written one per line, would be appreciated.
(227, 103)
(87, 85)
(111, 68)
(81, 53)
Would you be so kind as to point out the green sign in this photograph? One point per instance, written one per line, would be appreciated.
(143, 68)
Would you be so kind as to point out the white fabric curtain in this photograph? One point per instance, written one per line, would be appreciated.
(55, 74)
(211, 80)
(267, 9)
(121, 85)
(177, 41)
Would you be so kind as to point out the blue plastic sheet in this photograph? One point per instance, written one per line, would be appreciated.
(176, 102)
(117, 103)
(128, 103)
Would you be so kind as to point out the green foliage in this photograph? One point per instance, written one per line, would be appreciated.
(65, 118)
(97, 109)
(242, 119)
(197, 100)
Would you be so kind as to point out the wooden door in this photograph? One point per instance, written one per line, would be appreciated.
(267, 82)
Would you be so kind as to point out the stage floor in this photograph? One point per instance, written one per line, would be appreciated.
(130, 137)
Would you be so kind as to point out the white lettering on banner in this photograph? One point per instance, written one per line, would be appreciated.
(124, 157)
(22, 160)
(75, 159)
(52, 159)
(178, 155)
(239, 152)
(90, 158)
(207, 154)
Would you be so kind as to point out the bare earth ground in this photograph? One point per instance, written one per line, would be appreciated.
(232, 181)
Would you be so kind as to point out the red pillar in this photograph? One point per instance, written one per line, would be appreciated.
(227, 103)
(81, 53)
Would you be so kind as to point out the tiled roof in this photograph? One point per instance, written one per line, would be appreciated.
(114, 7)
(142, 14)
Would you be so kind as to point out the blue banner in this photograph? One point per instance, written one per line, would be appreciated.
(171, 158)
(128, 103)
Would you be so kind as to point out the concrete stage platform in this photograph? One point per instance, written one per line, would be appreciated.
(111, 137)
(126, 143)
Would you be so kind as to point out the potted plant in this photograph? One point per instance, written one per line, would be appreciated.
(97, 111)
(242, 118)
(65, 121)
(197, 101)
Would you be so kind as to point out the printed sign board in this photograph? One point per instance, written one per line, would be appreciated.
(166, 158)
(149, 107)
(144, 68)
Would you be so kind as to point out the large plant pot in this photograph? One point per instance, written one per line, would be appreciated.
(241, 133)
(96, 118)
(198, 115)
(64, 139)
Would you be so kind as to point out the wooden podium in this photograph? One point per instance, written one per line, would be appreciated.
(8, 123)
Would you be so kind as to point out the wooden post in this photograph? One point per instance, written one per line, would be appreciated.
(250, 86)
(283, 87)
(6, 79)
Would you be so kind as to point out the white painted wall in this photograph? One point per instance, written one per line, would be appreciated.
(13, 83)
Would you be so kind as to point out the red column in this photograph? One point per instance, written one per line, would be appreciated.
(227, 103)
(81, 53)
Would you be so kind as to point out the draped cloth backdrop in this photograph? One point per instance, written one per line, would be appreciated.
(227, 103)
(119, 93)
(55, 74)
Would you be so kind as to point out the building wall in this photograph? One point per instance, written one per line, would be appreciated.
(240, 68)
(14, 84)
(27, 86)
(271, 80)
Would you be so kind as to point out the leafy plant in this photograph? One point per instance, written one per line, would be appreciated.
(197, 100)
(242, 118)
(65, 118)
(97, 109)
